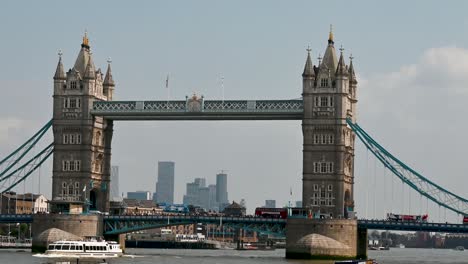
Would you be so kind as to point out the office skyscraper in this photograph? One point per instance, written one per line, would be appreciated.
(221, 190)
(114, 184)
(165, 184)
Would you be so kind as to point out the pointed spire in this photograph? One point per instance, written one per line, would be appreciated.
(341, 68)
(59, 72)
(329, 58)
(330, 35)
(108, 80)
(85, 43)
(351, 69)
(308, 68)
(90, 72)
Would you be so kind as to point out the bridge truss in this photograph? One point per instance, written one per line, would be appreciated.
(118, 224)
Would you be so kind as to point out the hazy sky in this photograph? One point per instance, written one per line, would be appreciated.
(411, 58)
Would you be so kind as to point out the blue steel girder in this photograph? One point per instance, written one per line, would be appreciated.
(413, 226)
(16, 218)
(416, 181)
(200, 109)
(125, 224)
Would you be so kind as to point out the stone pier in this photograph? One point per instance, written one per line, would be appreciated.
(78, 225)
(324, 239)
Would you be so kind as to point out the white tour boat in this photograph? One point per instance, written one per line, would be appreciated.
(91, 248)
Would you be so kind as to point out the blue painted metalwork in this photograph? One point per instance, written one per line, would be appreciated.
(20, 152)
(26, 169)
(200, 109)
(421, 184)
(413, 226)
(16, 218)
(126, 223)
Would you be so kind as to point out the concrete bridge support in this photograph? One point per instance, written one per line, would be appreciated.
(324, 239)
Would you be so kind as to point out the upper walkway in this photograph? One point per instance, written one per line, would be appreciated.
(199, 109)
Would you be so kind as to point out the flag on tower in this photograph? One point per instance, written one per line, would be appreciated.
(167, 81)
(290, 191)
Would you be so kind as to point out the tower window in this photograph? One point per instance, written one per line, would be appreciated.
(315, 187)
(330, 188)
(73, 85)
(65, 138)
(324, 82)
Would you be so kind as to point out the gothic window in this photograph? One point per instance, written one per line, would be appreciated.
(72, 139)
(77, 185)
(70, 189)
(330, 139)
(316, 138)
(72, 166)
(323, 101)
(315, 202)
(78, 138)
(324, 82)
(77, 165)
(330, 188)
(323, 137)
(72, 103)
(73, 85)
(316, 101)
(322, 202)
(64, 185)
(65, 165)
(330, 202)
(323, 167)
(330, 167)
(65, 138)
(316, 167)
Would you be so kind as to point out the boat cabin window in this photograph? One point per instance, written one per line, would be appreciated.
(65, 247)
(88, 248)
(80, 247)
(72, 247)
(51, 247)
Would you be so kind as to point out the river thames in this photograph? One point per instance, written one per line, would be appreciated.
(181, 256)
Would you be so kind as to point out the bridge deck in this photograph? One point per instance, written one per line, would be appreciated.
(199, 109)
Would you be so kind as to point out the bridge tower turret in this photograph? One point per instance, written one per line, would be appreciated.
(329, 94)
(82, 142)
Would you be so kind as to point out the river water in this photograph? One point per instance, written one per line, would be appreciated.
(183, 256)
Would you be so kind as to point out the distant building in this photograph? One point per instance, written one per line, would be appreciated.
(114, 184)
(204, 198)
(165, 184)
(201, 182)
(139, 195)
(270, 203)
(234, 209)
(213, 203)
(191, 196)
(28, 203)
(221, 190)
(299, 204)
(134, 207)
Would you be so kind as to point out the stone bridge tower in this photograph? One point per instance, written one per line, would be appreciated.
(82, 142)
(329, 94)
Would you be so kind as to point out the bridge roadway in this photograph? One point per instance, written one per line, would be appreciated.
(116, 224)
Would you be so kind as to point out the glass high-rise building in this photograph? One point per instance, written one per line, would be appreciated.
(165, 184)
(114, 184)
(221, 190)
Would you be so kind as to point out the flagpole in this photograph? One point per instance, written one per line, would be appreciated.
(168, 91)
(222, 88)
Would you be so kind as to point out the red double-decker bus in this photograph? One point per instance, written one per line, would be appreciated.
(279, 213)
(408, 218)
(465, 219)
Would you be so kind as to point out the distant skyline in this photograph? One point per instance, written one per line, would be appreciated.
(410, 57)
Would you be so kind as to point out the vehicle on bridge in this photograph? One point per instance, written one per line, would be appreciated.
(465, 220)
(278, 213)
(407, 218)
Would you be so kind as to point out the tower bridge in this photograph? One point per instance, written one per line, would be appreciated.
(84, 113)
